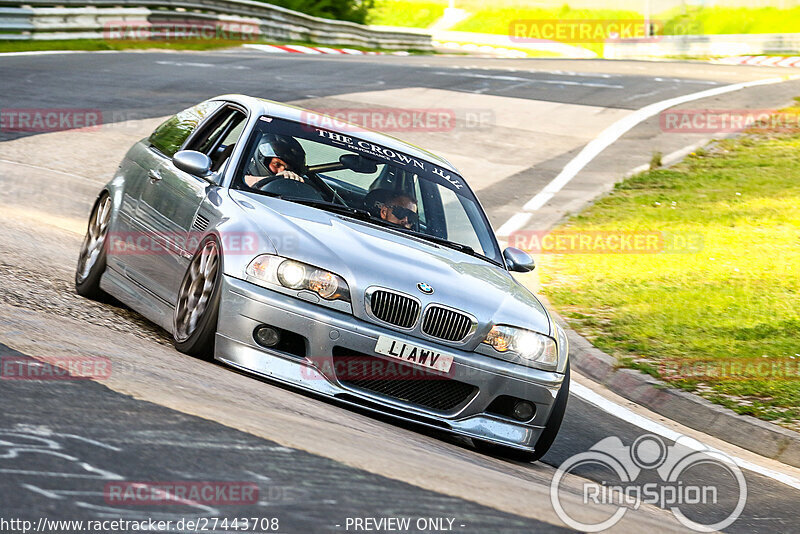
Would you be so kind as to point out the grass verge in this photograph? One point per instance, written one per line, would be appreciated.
(406, 13)
(723, 321)
(122, 44)
(181, 44)
(497, 18)
(727, 20)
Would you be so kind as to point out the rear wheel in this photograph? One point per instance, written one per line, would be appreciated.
(547, 437)
(92, 259)
(195, 319)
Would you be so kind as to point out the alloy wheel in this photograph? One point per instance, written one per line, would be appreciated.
(196, 291)
(95, 238)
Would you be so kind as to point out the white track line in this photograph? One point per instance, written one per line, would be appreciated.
(47, 169)
(609, 136)
(657, 428)
(532, 80)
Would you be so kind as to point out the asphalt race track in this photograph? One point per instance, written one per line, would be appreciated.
(162, 415)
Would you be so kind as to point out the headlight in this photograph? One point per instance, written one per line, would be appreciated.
(523, 346)
(298, 276)
(292, 274)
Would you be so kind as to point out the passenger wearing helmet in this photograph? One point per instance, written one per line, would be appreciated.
(277, 156)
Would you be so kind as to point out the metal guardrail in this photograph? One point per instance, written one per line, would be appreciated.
(704, 46)
(82, 19)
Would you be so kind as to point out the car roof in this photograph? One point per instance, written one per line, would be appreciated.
(261, 106)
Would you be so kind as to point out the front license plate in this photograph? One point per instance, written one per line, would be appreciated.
(400, 350)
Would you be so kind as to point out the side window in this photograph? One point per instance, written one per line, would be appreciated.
(459, 227)
(235, 132)
(219, 136)
(429, 203)
(169, 137)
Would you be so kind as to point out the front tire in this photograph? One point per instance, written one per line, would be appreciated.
(547, 437)
(197, 308)
(92, 259)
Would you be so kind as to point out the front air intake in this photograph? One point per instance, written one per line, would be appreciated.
(447, 324)
(394, 308)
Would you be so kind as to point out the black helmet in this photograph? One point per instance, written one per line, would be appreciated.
(283, 147)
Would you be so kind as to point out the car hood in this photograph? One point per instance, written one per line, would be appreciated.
(367, 255)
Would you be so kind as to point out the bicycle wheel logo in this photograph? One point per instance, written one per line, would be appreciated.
(674, 477)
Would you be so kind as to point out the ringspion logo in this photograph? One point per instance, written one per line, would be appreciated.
(650, 472)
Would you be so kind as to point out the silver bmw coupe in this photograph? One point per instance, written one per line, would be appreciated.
(338, 260)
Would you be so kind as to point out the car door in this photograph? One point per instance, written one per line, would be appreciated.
(124, 229)
(169, 203)
(136, 252)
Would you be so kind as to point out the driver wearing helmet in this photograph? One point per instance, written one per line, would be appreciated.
(277, 156)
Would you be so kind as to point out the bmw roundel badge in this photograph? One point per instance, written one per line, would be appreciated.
(425, 288)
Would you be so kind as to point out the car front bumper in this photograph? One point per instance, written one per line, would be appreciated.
(245, 306)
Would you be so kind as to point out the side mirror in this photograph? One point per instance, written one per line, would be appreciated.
(192, 162)
(518, 260)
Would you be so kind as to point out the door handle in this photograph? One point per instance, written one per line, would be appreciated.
(154, 176)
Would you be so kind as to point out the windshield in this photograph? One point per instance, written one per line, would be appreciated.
(340, 172)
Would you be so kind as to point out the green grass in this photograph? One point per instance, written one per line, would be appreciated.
(721, 20)
(497, 17)
(498, 20)
(709, 20)
(407, 13)
(350, 10)
(735, 302)
(124, 44)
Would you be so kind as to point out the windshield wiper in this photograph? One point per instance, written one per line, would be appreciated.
(364, 215)
(466, 249)
(441, 241)
(356, 213)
